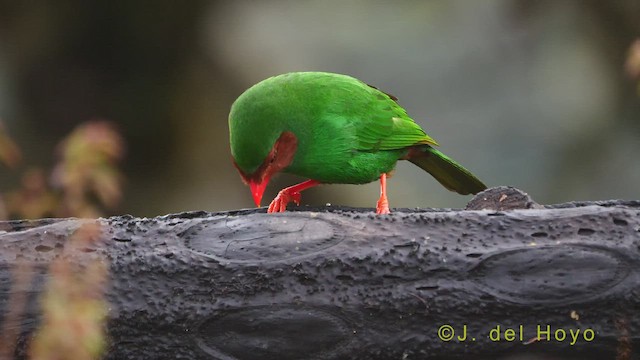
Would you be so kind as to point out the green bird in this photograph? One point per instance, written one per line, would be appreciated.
(331, 129)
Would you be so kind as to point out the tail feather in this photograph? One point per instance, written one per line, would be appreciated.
(448, 172)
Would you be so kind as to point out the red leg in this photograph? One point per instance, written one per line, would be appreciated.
(292, 193)
(383, 203)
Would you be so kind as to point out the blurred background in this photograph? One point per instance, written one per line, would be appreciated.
(541, 95)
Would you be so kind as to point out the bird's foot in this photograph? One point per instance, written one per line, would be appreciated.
(382, 207)
(285, 196)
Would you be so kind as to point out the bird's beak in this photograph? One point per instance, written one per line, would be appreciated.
(257, 189)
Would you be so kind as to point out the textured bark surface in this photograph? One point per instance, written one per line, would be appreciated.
(330, 283)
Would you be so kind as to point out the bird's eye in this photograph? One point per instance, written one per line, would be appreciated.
(273, 156)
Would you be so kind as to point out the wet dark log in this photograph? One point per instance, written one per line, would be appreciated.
(344, 283)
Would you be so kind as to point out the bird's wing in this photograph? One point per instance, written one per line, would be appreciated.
(388, 127)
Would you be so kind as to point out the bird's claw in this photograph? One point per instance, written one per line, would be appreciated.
(382, 207)
(279, 204)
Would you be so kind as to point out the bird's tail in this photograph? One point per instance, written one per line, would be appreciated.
(448, 172)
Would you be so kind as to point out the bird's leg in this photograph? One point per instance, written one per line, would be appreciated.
(292, 193)
(383, 203)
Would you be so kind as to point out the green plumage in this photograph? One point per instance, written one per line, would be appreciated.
(448, 172)
(347, 131)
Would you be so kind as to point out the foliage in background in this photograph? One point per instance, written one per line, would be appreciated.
(633, 62)
(74, 311)
(84, 182)
(10, 153)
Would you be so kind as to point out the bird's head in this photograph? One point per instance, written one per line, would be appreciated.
(261, 141)
(257, 164)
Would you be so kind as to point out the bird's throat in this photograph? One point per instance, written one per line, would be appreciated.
(280, 156)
